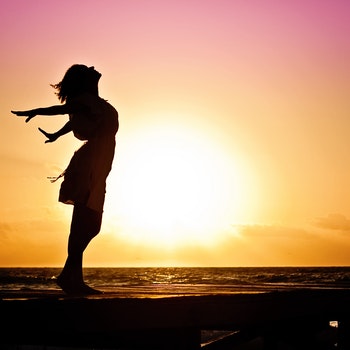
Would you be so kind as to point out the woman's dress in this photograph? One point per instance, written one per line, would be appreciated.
(85, 177)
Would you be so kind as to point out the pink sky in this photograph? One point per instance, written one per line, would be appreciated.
(265, 84)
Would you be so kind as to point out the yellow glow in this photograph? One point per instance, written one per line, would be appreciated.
(172, 187)
(227, 131)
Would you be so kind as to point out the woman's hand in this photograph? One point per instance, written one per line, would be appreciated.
(28, 114)
(50, 137)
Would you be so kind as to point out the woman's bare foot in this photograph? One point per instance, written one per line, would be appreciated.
(87, 290)
(65, 284)
(75, 289)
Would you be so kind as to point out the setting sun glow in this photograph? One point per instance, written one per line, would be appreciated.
(233, 146)
(177, 187)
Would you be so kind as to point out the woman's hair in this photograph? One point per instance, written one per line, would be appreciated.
(74, 82)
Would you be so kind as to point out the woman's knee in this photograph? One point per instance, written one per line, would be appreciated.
(95, 222)
(86, 223)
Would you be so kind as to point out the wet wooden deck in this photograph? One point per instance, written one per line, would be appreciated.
(297, 318)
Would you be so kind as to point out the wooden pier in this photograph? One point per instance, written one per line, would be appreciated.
(297, 319)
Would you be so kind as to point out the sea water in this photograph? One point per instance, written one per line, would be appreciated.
(183, 280)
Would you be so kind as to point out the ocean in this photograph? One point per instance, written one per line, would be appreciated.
(160, 281)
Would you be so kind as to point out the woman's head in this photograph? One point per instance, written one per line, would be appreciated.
(78, 79)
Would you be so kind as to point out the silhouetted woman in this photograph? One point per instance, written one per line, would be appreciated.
(95, 121)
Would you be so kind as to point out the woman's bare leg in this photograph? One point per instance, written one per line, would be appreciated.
(86, 224)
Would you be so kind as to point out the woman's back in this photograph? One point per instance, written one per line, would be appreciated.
(96, 118)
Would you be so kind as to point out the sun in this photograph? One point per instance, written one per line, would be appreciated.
(171, 186)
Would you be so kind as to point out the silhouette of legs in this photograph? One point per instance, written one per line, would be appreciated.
(86, 224)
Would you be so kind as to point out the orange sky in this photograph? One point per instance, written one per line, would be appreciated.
(234, 130)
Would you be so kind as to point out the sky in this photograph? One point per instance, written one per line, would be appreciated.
(233, 147)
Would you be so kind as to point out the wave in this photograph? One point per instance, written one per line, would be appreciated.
(204, 278)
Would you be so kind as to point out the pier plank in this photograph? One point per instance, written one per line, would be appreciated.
(165, 322)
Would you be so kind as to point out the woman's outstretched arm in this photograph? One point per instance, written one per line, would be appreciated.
(51, 137)
(53, 110)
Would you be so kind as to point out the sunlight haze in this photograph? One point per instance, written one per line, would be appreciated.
(233, 147)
